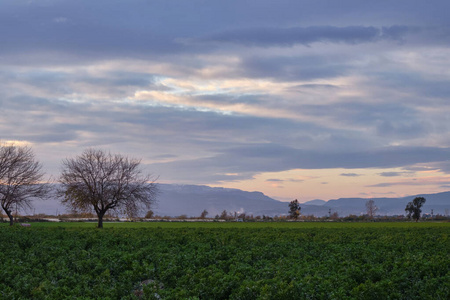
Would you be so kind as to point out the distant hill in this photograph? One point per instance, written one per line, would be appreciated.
(315, 202)
(191, 200)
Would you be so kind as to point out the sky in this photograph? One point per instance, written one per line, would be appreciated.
(296, 99)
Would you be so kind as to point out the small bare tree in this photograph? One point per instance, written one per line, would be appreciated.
(149, 214)
(20, 179)
(371, 208)
(224, 215)
(203, 214)
(102, 181)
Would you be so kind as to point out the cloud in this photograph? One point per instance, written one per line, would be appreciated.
(444, 166)
(425, 181)
(307, 67)
(284, 180)
(373, 193)
(81, 34)
(393, 174)
(60, 20)
(274, 180)
(246, 161)
(314, 86)
(350, 174)
(288, 37)
(89, 31)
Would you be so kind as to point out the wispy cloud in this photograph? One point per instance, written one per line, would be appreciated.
(431, 181)
(351, 175)
(287, 37)
(394, 174)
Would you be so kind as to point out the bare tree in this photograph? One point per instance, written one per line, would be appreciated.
(20, 179)
(102, 181)
(334, 215)
(149, 214)
(203, 214)
(371, 208)
(224, 215)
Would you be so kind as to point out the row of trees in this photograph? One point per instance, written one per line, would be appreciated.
(95, 180)
(413, 208)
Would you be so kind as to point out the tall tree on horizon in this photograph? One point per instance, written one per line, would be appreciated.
(294, 209)
(371, 208)
(414, 208)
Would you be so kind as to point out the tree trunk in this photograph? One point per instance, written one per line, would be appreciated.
(100, 218)
(11, 217)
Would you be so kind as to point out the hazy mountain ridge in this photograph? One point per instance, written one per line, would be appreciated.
(191, 200)
(315, 202)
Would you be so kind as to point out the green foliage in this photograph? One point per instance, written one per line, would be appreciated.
(414, 208)
(294, 209)
(289, 260)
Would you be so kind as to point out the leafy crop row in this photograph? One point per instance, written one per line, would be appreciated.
(225, 263)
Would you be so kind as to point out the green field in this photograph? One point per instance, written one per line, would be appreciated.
(211, 260)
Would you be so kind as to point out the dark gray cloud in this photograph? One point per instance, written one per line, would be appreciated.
(63, 83)
(284, 180)
(436, 90)
(91, 30)
(293, 68)
(313, 86)
(60, 30)
(287, 37)
(225, 98)
(388, 119)
(245, 161)
(393, 174)
(444, 166)
(350, 174)
(39, 120)
(412, 182)
(297, 158)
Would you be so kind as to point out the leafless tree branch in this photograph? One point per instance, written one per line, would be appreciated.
(102, 181)
(21, 178)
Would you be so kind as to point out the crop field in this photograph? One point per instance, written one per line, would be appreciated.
(211, 260)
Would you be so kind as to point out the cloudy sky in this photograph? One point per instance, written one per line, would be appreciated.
(297, 99)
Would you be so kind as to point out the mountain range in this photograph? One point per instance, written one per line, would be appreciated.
(191, 200)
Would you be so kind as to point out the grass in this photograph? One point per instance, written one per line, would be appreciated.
(225, 260)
